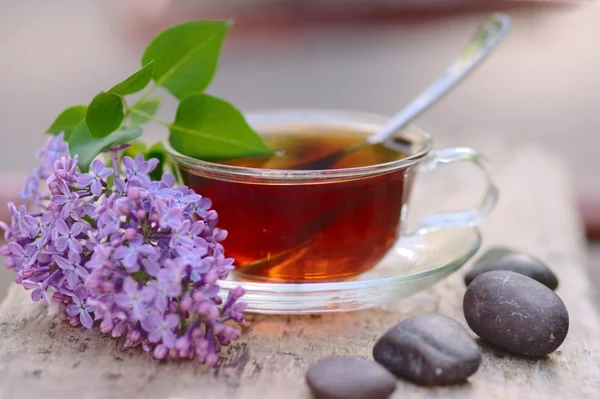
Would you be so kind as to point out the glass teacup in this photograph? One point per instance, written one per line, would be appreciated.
(302, 226)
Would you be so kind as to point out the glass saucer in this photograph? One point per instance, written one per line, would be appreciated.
(413, 264)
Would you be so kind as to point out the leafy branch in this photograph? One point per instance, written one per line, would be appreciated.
(182, 59)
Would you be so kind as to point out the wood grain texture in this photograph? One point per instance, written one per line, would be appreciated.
(42, 357)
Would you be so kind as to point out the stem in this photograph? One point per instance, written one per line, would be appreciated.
(146, 115)
(115, 161)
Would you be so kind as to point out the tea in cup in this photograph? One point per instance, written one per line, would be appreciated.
(302, 226)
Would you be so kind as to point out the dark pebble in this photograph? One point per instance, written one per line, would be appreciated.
(516, 313)
(339, 377)
(429, 349)
(500, 258)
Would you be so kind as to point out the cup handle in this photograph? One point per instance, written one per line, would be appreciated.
(463, 218)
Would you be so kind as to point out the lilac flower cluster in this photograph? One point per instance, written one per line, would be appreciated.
(140, 258)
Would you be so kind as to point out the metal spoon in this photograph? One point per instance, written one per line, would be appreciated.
(487, 37)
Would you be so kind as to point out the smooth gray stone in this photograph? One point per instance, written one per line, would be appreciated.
(429, 349)
(339, 377)
(501, 258)
(516, 313)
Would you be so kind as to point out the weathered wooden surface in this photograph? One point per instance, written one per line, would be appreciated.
(41, 357)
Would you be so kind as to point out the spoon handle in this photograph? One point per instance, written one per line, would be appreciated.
(488, 36)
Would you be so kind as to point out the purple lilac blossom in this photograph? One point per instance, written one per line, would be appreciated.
(94, 179)
(138, 258)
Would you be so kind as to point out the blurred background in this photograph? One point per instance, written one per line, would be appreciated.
(541, 86)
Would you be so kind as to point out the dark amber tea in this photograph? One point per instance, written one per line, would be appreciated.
(315, 230)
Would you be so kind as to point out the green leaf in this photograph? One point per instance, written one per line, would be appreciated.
(186, 55)
(157, 151)
(87, 148)
(149, 106)
(68, 120)
(135, 82)
(104, 114)
(207, 127)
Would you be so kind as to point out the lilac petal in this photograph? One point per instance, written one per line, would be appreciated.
(36, 295)
(89, 210)
(211, 291)
(201, 247)
(72, 279)
(85, 180)
(63, 187)
(205, 203)
(65, 211)
(148, 324)
(74, 257)
(96, 188)
(133, 268)
(97, 166)
(151, 266)
(188, 199)
(183, 241)
(76, 229)
(168, 339)
(62, 262)
(129, 285)
(172, 321)
(16, 249)
(152, 164)
(139, 311)
(121, 252)
(174, 290)
(160, 352)
(143, 168)
(154, 320)
(81, 272)
(62, 228)
(130, 259)
(75, 246)
(85, 319)
(197, 228)
(167, 192)
(47, 218)
(185, 227)
(73, 310)
(161, 303)
(119, 329)
(219, 234)
(147, 294)
(28, 284)
(31, 250)
(59, 200)
(95, 263)
(148, 250)
(61, 243)
(104, 173)
(142, 179)
(122, 300)
(34, 231)
(120, 185)
(169, 179)
(165, 275)
(128, 162)
(202, 267)
(155, 336)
